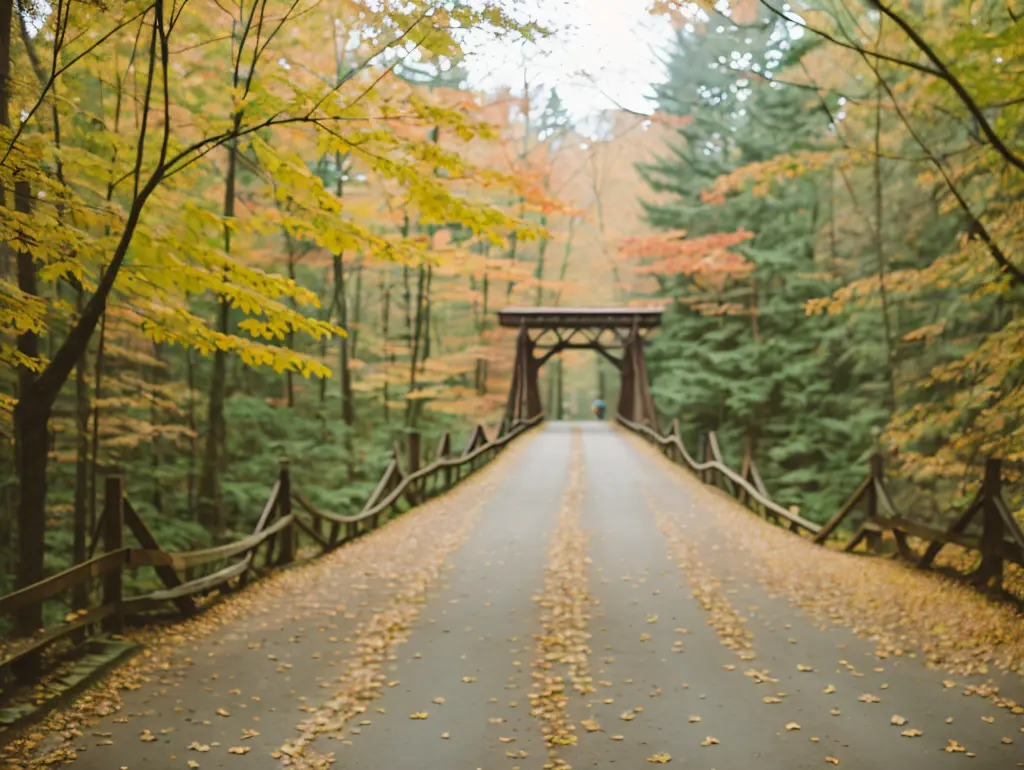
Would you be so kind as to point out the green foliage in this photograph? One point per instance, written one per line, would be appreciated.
(738, 354)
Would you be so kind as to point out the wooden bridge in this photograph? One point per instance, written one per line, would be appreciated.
(599, 597)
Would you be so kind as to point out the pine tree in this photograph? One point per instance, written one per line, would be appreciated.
(738, 354)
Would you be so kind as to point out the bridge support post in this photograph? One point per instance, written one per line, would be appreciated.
(635, 401)
(524, 394)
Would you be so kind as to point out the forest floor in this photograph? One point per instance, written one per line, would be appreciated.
(583, 603)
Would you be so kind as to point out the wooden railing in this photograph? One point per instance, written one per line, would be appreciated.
(286, 517)
(997, 541)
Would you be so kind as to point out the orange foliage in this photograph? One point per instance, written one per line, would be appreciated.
(674, 253)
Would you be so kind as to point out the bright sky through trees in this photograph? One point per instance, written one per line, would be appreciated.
(601, 52)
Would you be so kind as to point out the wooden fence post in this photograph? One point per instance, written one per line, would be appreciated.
(417, 492)
(284, 508)
(444, 448)
(872, 535)
(113, 540)
(991, 527)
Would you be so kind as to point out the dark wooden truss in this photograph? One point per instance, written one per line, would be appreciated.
(616, 333)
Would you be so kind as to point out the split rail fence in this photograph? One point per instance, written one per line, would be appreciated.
(286, 517)
(986, 526)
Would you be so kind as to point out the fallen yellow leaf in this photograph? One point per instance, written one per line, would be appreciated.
(660, 759)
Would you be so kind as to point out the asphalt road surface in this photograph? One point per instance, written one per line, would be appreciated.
(577, 589)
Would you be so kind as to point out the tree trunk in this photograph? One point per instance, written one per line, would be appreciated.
(385, 320)
(209, 502)
(154, 416)
(481, 387)
(289, 381)
(81, 510)
(539, 274)
(210, 509)
(411, 411)
(559, 395)
(97, 394)
(344, 374)
(425, 301)
(191, 379)
(883, 291)
(31, 419)
(357, 309)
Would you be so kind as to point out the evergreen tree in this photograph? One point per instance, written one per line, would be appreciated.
(738, 354)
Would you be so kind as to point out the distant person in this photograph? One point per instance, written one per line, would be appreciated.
(598, 408)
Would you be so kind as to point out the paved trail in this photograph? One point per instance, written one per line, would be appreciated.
(576, 558)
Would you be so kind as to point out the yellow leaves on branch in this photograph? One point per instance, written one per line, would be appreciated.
(177, 326)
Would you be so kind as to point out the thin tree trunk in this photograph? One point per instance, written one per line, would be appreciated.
(482, 378)
(890, 362)
(193, 435)
(559, 395)
(211, 514)
(357, 309)
(97, 394)
(81, 512)
(427, 320)
(324, 342)
(539, 274)
(385, 320)
(31, 417)
(289, 382)
(411, 411)
(154, 417)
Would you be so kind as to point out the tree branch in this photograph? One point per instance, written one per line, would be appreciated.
(946, 74)
(1015, 274)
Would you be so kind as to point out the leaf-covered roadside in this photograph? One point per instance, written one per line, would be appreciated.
(354, 604)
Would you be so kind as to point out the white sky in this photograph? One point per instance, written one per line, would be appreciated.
(613, 43)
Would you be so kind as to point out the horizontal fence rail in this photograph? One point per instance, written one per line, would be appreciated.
(997, 541)
(286, 516)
